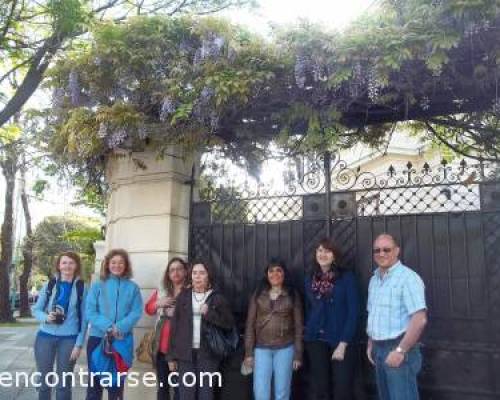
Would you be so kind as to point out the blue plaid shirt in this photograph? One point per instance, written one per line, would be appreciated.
(392, 299)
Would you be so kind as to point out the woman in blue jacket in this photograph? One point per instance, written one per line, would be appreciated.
(332, 312)
(114, 306)
(60, 310)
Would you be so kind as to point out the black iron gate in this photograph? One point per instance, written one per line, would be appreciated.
(447, 218)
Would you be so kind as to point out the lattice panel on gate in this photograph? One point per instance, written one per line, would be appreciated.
(418, 200)
(411, 188)
(387, 201)
(255, 210)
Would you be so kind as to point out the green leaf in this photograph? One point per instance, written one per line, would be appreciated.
(39, 186)
(9, 133)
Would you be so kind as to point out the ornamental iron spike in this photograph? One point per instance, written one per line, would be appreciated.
(463, 166)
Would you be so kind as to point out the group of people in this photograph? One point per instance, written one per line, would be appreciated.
(66, 309)
(283, 328)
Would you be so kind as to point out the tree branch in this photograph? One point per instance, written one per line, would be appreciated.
(8, 21)
(105, 7)
(15, 68)
(456, 148)
(178, 8)
(40, 63)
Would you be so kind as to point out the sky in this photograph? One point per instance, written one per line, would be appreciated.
(333, 13)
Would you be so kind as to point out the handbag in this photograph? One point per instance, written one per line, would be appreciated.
(144, 351)
(220, 342)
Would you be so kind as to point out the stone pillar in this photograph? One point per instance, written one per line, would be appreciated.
(100, 251)
(148, 215)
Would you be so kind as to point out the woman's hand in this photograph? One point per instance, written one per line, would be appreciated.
(248, 361)
(169, 312)
(51, 317)
(165, 302)
(172, 366)
(339, 352)
(296, 365)
(75, 353)
(204, 309)
(116, 333)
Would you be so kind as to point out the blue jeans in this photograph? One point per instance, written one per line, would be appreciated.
(47, 350)
(267, 363)
(396, 383)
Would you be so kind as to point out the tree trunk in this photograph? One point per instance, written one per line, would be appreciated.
(9, 166)
(24, 308)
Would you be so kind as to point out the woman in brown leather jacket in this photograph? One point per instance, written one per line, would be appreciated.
(273, 336)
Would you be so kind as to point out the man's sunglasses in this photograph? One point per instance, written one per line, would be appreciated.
(379, 250)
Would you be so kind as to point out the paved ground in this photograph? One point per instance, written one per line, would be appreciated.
(16, 354)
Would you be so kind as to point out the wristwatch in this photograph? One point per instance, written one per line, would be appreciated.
(400, 350)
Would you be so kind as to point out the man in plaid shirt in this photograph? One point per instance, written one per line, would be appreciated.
(397, 315)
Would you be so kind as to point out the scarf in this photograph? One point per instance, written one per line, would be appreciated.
(322, 283)
(162, 292)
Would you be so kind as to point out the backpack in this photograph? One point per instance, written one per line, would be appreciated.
(80, 287)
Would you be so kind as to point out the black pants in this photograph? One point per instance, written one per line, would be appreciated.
(94, 389)
(330, 379)
(162, 372)
(202, 390)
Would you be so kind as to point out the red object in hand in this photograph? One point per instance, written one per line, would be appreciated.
(150, 307)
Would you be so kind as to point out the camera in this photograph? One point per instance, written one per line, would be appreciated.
(60, 315)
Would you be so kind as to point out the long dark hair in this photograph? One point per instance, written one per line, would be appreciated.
(167, 283)
(264, 282)
(337, 266)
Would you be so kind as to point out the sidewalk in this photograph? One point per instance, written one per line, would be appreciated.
(16, 350)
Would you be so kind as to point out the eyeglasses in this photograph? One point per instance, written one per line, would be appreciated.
(379, 250)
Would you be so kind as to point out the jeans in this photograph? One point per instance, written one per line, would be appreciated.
(327, 377)
(268, 362)
(396, 383)
(94, 389)
(47, 350)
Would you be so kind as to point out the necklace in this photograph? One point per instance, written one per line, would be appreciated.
(274, 293)
(201, 299)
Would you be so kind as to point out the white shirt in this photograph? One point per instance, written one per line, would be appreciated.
(198, 299)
